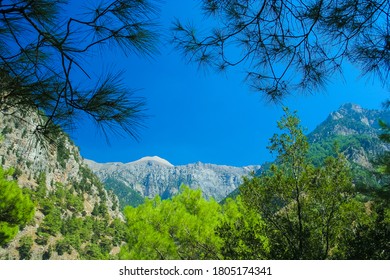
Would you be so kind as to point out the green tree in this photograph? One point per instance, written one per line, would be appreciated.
(180, 228)
(302, 205)
(383, 163)
(372, 239)
(288, 45)
(94, 252)
(42, 57)
(243, 232)
(24, 249)
(16, 208)
(118, 232)
(63, 246)
(52, 222)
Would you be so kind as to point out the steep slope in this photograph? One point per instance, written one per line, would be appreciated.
(356, 131)
(73, 210)
(151, 176)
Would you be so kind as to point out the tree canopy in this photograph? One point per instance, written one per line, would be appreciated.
(307, 209)
(191, 228)
(43, 51)
(181, 228)
(16, 208)
(290, 45)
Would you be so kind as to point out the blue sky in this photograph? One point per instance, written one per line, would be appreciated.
(206, 116)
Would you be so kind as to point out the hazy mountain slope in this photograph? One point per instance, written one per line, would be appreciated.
(71, 202)
(151, 176)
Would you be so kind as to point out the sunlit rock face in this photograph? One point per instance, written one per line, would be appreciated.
(151, 176)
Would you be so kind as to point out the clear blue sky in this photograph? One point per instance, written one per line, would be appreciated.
(208, 117)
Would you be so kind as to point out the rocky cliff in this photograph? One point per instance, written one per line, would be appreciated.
(151, 176)
(64, 191)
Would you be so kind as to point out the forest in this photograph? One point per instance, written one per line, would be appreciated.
(294, 209)
(310, 203)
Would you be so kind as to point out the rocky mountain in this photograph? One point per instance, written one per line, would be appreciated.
(71, 205)
(354, 128)
(356, 131)
(151, 176)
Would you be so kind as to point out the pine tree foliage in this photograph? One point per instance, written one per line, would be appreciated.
(181, 228)
(371, 240)
(16, 208)
(306, 208)
(188, 227)
(289, 45)
(43, 60)
(383, 161)
(243, 231)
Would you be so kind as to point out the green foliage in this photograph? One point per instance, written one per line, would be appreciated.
(52, 222)
(180, 228)
(243, 232)
(94, 252)
(189, 227)
(89, 237)
(118, 231)
(100, 209)
(16, 208)
(301, 204)
(59, 42)
(127, 196)
(289, 45)
(88, 179)
(42, 238)
(17, 173)
(6, 130)
(63, 246)
(74, 203)
(25, 245)
(371, 239)
(41, 192)
(383, 166)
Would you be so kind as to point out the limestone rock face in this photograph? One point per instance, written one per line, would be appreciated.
(24, 149)
(32, 155)
(151, 176)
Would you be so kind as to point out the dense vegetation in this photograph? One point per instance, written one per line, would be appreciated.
(16, 207)
(65, 221)
(126, 195)
(310, 204)
(190, 227)
(295, 209)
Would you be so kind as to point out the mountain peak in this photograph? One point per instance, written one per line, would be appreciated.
(351, 106)
(355, 112)
(153, 159)
(350, 119)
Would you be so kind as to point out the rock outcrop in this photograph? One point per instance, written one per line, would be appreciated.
(62, 186)
(151, 176)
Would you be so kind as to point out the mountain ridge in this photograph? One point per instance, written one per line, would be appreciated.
(355, 128)
(151, 176)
